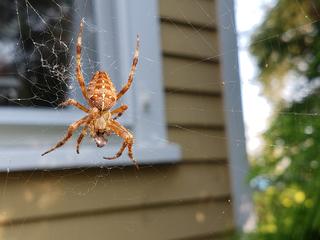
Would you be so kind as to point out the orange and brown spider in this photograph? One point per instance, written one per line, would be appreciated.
(101, 96)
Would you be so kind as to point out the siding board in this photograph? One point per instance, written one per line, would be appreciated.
(200, 144)
(167, 222)
(89, 190)
(190, 109)
(199, 12)
(186, 41)
(211, 236)
(186, 75)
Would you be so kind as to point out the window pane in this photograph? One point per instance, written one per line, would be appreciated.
(34, 52)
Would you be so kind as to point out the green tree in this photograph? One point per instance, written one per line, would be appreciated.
(288, 41)
(287, 172)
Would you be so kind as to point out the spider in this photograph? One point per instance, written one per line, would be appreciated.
(101, 96)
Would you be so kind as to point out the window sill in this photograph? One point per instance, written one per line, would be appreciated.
(38, 116)
(42, 116)
(26, 158)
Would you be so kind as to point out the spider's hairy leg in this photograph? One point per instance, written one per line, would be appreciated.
(71, 129)
(80, 138)
(119, 111)
(127, 137)
(132, 71)
(74, 103)
(119, 153)
(79, 74)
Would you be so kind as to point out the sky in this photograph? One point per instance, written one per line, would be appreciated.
(256, 109)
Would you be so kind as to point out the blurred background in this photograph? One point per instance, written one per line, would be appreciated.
(224, 109)
(280, 39)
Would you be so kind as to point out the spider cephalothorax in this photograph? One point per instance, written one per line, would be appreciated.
(101, 96)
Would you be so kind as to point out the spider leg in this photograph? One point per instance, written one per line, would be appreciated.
(74, 103)
(127, 137)
(71, 129)
(79, 74)
(119, 153)
(132, 71)
(119, 111)
(81, 136)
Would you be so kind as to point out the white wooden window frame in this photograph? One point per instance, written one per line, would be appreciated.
(27, 132)
(241, 195)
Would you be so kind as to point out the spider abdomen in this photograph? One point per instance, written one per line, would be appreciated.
(101, 91)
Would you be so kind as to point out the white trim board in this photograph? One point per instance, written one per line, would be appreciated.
(20, 158)
(241, 194)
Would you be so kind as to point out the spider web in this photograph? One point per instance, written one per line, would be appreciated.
(37, 69)
(38, 59)
(35, 58)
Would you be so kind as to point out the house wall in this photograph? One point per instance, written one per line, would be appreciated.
(189, 200)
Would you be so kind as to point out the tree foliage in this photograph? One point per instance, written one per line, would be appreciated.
(288, 203)
(287, 172)
(288, 41)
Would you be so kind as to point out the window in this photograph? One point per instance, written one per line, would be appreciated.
(40, 75)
